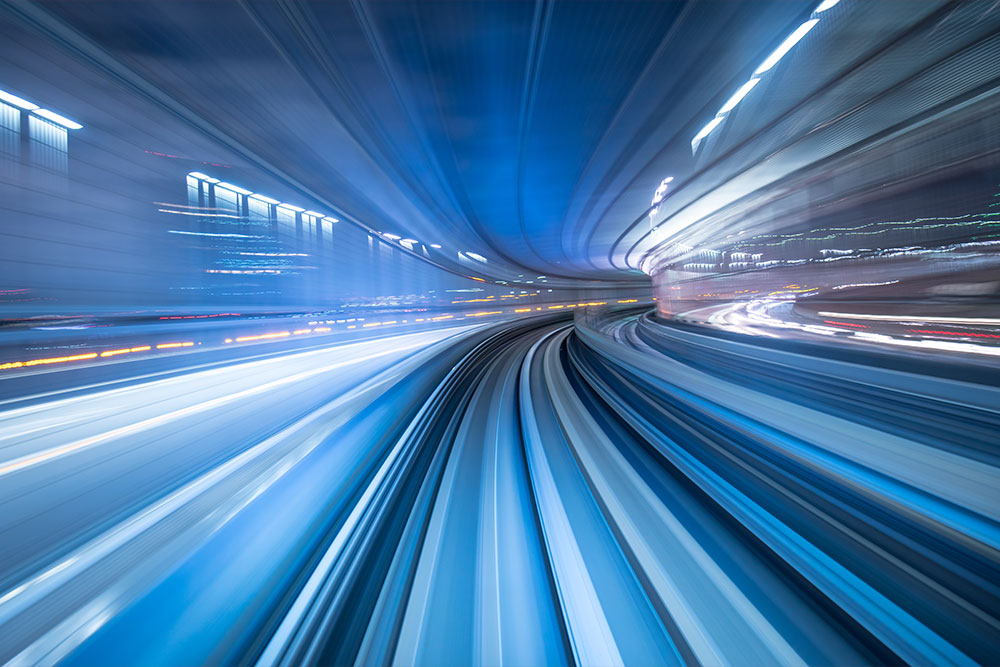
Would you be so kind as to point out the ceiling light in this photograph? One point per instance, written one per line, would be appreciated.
(266, 200)
(57, 119)
(17, 101)
(738, 96)
(786, 46)
(234, 188)
(705, 131)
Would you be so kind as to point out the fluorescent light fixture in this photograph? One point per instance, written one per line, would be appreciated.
(289, 207)
(786, 46)
(738, 96)
(391, 237)
(331, 220)
(705, 131)
(57, 119)
(234, 188)
(207, 179)
(19, 102)
(825, 5)
(266, 200)
(315, 214)
(436, 246)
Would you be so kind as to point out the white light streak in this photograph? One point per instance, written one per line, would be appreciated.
(825, 5)
(705, 131)
(738, 96)
(226, 236)
(289, 207)
(786, 46)
(913, 318)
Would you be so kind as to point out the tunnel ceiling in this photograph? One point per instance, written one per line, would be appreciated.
(530, 133)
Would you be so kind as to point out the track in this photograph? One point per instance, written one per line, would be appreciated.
(615, 492)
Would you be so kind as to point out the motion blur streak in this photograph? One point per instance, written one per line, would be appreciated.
(527, 493)
(500, 332)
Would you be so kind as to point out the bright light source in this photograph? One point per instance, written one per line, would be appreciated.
(331, 220)
(57, 119)
(738, 96)
(436, 246)
(705, 131)
(825, 5)
(198, 174)
(786, 46)
(391, 237)
(289, 207)
(408, 241)
(234, 188)
(266, 200)
(472, 255)
(19, 102)
(315, 214)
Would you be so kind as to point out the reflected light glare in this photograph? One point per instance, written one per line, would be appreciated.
(786, 46)
(825, 5)
(739, 95)
(57, 119)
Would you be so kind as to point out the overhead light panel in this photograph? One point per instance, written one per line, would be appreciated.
(331, 220)
(436, 246)
(19, 102)
(391, 237)
(57, 119)
(203, 177)
(315, 214)
(266, 200)
(705, 131)
(786, 46)
(738, 96)
(234, 188)
(289, 207)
